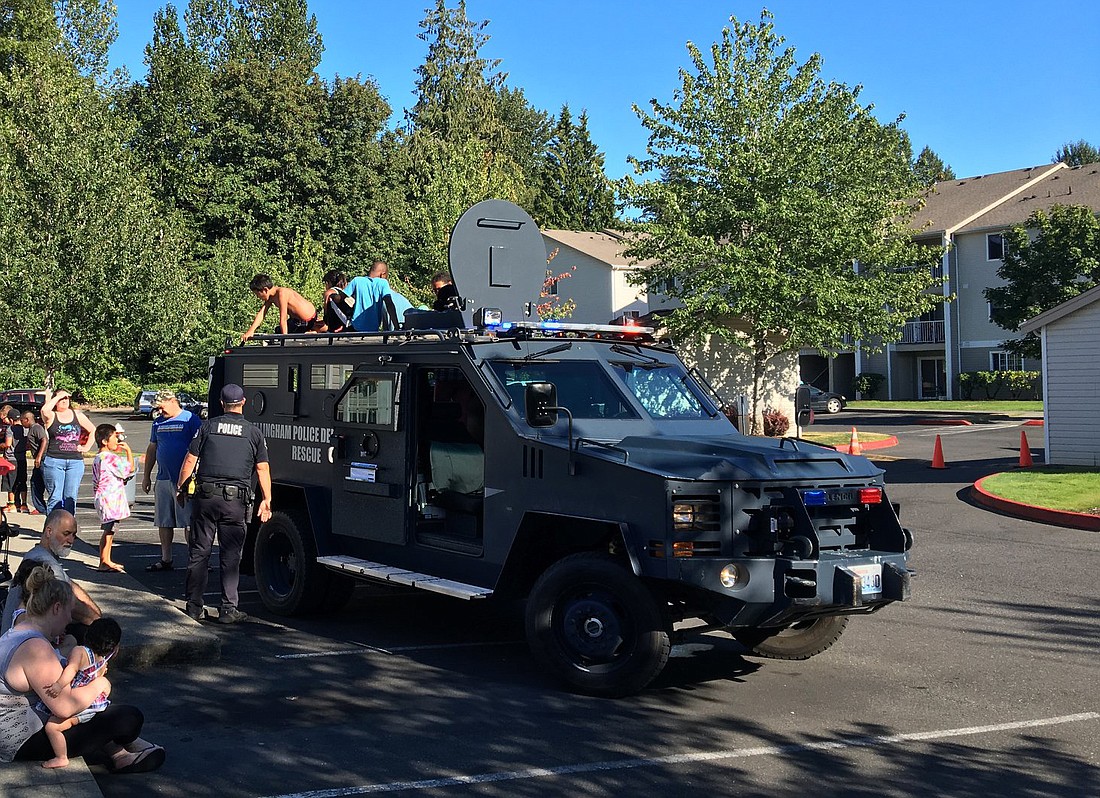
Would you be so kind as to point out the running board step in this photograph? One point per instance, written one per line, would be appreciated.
(399, 576)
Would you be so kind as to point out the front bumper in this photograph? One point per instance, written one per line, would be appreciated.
(780, 591)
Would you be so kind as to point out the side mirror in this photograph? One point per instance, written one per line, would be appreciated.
(803, 414)
(540, 401)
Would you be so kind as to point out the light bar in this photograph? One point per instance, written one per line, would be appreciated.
(562, 326)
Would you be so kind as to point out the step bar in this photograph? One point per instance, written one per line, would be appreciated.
(400, 576)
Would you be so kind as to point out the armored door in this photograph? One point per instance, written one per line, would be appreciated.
(371, 493)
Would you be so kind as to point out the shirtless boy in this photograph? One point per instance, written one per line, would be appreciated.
(296, 313)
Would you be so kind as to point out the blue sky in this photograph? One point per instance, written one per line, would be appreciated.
(990, 86)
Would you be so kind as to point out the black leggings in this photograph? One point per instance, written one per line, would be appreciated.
(118, 723)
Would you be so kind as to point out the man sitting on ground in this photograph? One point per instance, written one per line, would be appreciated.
(58, 534)
(296, 313)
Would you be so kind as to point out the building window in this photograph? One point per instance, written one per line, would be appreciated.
(1005, 361)
(994, 246)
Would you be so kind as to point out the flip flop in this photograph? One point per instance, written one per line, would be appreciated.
(147, 759)
(160, 565)
(118, 569)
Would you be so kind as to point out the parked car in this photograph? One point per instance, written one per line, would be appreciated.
(196, 406)
(826, 401)
(143, 404)
(23, 399)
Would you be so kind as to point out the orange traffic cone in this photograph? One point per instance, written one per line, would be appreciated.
(937, 455)
(1025, 451)
(854, 446)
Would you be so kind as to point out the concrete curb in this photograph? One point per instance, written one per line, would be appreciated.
(885, 443)
(1032, 513)
(945, 422)
(154, 631)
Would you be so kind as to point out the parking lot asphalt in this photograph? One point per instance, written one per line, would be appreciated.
(979, 686)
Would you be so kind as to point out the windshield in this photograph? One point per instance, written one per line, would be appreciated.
(663, 389)
(583, 386)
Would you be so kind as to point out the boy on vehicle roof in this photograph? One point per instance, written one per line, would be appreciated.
(296, 313)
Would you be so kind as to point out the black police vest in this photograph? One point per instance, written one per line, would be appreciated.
(228, 453)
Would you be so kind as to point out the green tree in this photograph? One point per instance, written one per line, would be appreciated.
(1076, 153)
(575, 192)
(930, 168)
(1053, 257)
(90, 283)
(773, 184)
(468, 136)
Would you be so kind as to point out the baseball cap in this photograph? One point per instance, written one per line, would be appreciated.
(232, 393)
(163, 395)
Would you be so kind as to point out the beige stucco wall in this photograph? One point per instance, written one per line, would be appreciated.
(728, 367)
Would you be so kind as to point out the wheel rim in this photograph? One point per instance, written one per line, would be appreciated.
(594, 629)
(834, 406)
(281, 569)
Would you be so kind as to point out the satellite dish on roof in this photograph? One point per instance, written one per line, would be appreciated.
(498, 259)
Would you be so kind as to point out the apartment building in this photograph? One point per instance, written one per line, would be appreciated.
(965, 219)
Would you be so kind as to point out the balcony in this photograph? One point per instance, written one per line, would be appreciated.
(922, 332)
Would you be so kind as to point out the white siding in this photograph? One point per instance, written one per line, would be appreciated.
(1073, 403)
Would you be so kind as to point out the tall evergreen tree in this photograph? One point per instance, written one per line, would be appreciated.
(575, 192)
(930, 168)
(1076, 153)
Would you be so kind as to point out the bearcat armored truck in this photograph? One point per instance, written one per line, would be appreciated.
(584, 469)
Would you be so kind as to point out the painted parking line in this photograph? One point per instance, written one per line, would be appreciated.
(680, 759)
(934, 431)
(366, 648)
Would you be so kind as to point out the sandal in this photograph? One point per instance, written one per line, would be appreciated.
(146, 760)
(111, 569)
(160, 565)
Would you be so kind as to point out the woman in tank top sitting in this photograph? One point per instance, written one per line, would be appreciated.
(70, 435)
(29, 664)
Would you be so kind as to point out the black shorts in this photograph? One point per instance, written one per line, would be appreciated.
(297, 326)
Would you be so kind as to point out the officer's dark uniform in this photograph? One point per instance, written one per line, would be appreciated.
(228, 448)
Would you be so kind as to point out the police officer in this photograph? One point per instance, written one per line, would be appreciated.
(228, 449)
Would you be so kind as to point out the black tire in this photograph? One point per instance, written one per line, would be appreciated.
(288, 578)
(596, 626)
(833, 406)
(800, 641)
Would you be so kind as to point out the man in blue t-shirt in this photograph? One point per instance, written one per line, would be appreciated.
(381, 270)
(367, 293)
(172, 432)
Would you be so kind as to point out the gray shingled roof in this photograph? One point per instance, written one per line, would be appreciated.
(953, 202)
(606, 245)
(1078, 185)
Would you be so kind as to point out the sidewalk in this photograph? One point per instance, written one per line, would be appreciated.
(154, 632)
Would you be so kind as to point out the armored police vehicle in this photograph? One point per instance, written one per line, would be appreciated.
(483, 454)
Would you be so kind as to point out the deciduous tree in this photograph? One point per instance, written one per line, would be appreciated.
(780, 205)
(1051, 258)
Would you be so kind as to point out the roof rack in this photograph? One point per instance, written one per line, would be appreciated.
(332, 339)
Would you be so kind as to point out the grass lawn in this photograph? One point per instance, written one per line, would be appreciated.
(1009, 407)
(842, 438)
(1058, 488)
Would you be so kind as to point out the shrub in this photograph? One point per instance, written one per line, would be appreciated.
(868, 383)
(775, 424)
(114, 393)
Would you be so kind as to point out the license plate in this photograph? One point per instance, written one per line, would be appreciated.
(870, 577)
(843, 497)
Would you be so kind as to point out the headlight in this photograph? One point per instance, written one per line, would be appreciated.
(734, 576)
(683, 514)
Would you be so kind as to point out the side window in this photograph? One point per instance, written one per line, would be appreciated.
(373, 400)
(994, 246)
